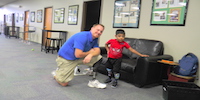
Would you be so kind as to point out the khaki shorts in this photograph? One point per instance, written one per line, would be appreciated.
(65, 72)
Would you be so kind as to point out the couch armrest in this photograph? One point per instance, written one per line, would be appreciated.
(148, 70)
(103, 50)
(154, 59)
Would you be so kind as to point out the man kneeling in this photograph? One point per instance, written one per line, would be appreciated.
(81, 48)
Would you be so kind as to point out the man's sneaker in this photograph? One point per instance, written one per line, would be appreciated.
(108, 80)
(53, 73)
(114, 84)
(96, 84)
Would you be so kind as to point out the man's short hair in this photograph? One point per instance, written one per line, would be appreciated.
(98, 24)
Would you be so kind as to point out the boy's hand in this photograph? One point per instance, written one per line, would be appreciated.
(144, 55)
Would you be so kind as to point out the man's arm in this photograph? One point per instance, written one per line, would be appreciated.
(93, 52)
(96, 51)
(88, 55)
(80, 54)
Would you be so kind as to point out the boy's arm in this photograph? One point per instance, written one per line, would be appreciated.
(136, 52)
(107, 48)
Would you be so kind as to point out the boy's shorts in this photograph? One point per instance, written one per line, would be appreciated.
(65, 72)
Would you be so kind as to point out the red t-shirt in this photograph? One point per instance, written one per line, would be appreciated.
(116, 47)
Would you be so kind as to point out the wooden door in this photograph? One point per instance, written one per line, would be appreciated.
(48, 20)
(4, 19)
(13, 25)
(26, 24)
(4, 25)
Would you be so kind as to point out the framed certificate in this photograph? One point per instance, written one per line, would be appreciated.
(73, 15)
(59, 15)
(126, 14)
(169, 12)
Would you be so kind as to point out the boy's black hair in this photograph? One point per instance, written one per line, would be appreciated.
(120, 31)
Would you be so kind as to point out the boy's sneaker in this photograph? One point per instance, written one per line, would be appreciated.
(96, 84)
(114, 84)
(108, 80)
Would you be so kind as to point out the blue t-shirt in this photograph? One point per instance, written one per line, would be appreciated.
(82, 40)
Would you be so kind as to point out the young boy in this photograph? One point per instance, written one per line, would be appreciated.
(114, 49)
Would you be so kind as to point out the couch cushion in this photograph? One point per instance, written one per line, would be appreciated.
(148, 47)
(104, 58)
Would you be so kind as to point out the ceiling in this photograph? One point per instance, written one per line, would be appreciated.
(5, 2)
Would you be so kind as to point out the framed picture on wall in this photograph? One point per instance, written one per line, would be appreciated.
(39, 16)
(59, 15)
(73, 15)
(10, 17)
(32, 16)
(126, 13)
(17, 17)
(21, 17)
(169, 12)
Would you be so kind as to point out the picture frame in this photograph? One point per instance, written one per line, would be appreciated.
(126, 13)
(59, 15)
(169, 12)
(17, 17)
(10, 17)
(73, 15)
(39, 16)
(32, 16)
(21, 17)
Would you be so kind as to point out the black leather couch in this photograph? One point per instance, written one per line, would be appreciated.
(140, 71)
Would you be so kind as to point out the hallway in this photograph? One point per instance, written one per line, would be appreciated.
(26, 75)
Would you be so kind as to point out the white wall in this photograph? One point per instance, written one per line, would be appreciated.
(178, 40)
(34, 5)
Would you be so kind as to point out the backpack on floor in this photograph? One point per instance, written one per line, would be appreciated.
(188, 65)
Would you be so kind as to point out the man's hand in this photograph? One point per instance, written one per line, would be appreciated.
(87, 59)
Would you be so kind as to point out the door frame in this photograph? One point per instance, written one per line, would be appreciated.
(4, 24)
(85, 13)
